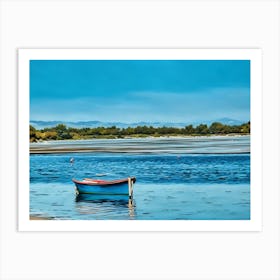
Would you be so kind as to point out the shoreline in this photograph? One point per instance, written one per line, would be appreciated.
(149, 145)
(145, 137)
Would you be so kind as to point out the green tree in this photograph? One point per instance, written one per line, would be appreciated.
(202, 129)
(189, 129)
(32, 134)
(216, 128)
(245, 128)
(62, 132)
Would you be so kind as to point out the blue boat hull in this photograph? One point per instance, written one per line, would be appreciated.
(120, 189)
(121, 200)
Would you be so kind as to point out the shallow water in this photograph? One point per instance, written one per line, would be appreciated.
(169, 185)
(150, 202)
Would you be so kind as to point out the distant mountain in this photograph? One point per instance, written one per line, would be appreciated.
(93, 124)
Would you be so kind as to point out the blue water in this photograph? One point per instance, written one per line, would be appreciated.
(211, 186)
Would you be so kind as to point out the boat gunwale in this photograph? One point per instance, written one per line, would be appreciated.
(97, 183)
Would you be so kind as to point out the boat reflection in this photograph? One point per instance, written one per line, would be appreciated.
(93, 204)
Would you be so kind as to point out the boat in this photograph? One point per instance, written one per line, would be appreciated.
(94, 186)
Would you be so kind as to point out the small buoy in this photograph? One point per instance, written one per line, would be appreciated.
(72, 160)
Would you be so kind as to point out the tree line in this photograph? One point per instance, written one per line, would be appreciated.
(62, 132)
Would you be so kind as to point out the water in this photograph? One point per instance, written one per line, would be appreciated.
(171, 183)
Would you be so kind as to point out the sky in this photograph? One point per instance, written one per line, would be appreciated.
(139, 90)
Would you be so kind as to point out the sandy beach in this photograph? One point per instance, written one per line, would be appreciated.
(36, 218)
(196, 144)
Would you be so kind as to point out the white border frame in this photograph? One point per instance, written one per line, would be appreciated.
(254, 55)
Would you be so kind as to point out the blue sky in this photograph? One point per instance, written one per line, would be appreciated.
(139, 90)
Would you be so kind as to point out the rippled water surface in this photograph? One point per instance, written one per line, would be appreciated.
(212, 183)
